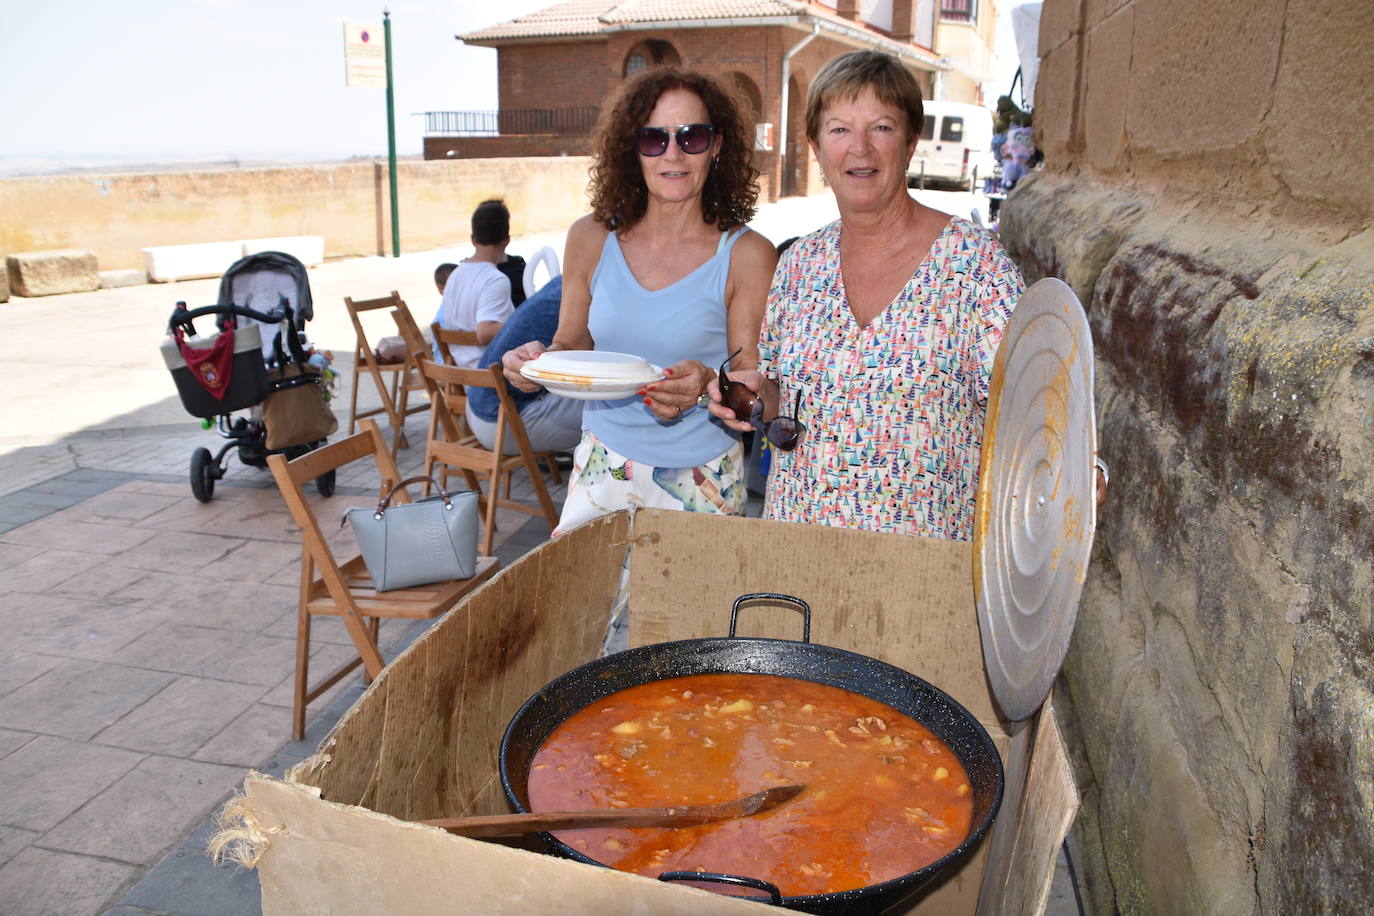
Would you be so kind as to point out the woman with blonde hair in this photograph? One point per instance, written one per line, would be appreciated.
(881, 328)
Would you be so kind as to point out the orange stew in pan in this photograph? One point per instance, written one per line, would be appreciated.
(884, 796)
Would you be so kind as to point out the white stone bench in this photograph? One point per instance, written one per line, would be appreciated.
(169, 263)
(47, 273)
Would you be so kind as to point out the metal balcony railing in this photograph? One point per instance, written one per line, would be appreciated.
(562, 121)
(958, 10)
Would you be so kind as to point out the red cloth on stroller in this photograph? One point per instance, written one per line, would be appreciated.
(211, 366)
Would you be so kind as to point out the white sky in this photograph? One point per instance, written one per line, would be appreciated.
(188, 80)
(247, 79)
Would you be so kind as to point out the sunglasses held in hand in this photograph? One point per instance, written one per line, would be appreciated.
(783, 432)
(691, 138)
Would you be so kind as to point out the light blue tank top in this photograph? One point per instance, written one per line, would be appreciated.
(683, 321)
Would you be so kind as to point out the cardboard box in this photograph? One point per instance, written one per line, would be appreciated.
(336, 835)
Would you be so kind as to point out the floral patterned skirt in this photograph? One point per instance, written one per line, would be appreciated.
(604, 481)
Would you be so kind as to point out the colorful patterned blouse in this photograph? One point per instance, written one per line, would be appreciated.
(894, 410)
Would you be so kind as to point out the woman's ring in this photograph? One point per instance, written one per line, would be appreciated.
(679, 412)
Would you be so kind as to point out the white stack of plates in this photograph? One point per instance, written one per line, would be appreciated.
(591, 375)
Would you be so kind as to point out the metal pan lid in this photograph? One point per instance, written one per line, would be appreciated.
(1036, 496)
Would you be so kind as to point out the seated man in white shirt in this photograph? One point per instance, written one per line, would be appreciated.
(477, 295)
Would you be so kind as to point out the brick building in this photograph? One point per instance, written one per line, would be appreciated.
(557, 65)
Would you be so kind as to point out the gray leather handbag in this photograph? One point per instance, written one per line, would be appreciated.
(429, 540)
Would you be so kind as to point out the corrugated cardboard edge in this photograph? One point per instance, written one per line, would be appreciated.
(1043, 815)
(330, 858)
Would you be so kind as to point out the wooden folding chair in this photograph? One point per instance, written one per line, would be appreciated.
(394, 381)
(345, 590)
(444, 338)
(446, 448)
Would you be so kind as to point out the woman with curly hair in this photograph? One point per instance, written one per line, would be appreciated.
(664, 268)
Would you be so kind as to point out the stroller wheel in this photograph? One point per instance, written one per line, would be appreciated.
(324, 484)
(203, 475)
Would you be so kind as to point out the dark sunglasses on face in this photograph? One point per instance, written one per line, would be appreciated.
(691, 138)
(783, 432)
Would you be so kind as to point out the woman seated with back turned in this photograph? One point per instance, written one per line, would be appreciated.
(881, 328)
(663, 268)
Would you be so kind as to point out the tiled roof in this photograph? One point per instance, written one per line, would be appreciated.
(588, 17)
(573, 17)
(661, 10)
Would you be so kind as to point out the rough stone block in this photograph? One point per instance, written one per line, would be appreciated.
(4, 285)
(1060, 20)
(1057, 93)
(1324, 73)
(1196, 69)
(1097, 11)
(1106, 87)
(47, 273)
(109, 279)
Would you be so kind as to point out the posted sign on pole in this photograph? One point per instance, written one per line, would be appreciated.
(364, 56)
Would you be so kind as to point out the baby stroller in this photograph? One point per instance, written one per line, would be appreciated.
(257, 351)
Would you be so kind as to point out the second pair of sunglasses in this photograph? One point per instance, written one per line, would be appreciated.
(783, 432)
(691, 138)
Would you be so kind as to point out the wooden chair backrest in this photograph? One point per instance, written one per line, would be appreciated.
(446, 386)
(447, 337)
(410, 331)
(356, 308)
(470, 455)
(368, 441)
(292, 476)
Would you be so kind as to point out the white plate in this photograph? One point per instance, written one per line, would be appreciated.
(586, 388)
(601, 365)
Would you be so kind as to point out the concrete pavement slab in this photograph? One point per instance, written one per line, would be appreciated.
(49, 569)
(12, 740)
(251, 738)
(186, 883)
(52, 625)
(13, 841)
(104, 583)
(144, 814)
(46, 883)
(230, 655)
(77, 699)
(181, 717)
(49, 778)
(72, 534)
(19, 668)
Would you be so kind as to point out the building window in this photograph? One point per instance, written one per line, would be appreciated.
(634, 63)
(959, 10)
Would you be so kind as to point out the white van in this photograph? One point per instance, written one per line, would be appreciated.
(955, 145)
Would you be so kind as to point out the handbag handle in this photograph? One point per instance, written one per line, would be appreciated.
(385, 501)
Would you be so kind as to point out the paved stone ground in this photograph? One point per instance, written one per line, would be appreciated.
(150, 638)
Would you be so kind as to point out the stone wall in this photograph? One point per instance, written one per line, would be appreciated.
(348, 204)
(1222, 670)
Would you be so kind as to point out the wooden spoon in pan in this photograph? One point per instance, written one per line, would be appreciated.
(676, 816)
